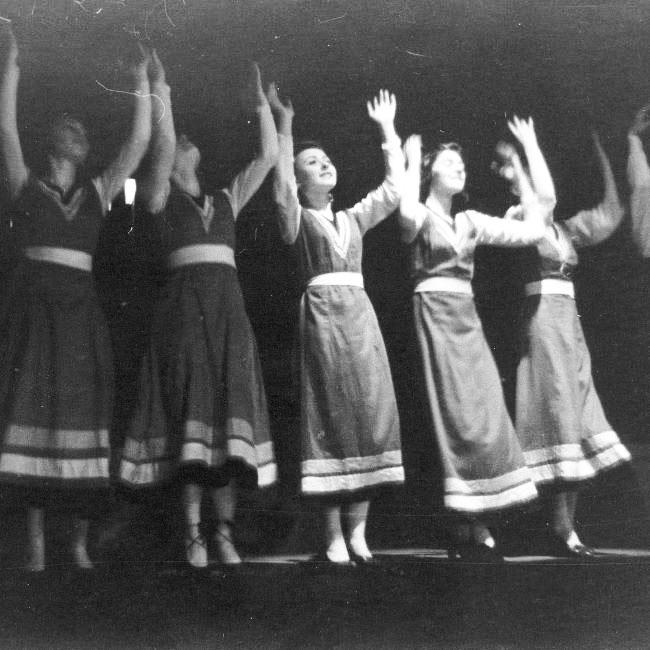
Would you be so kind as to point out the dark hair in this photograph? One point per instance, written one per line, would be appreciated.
(427, 162)
(301, 145)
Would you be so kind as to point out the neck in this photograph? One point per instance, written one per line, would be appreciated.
(62, 173)
(441, 204)
(317, 199)
(186, 181)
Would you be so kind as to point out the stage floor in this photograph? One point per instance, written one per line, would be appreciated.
(411, 598)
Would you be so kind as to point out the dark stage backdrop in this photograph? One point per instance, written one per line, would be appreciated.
(458, 69)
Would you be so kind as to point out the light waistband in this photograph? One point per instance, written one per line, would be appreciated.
(444, 284)
(343, 278)
(64, 256)
(202, 254)
(550, 286)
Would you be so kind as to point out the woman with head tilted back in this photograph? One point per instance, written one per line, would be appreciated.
(559, 418)
(349, 426)
(55, 358)
(483, 466)
(201, 419)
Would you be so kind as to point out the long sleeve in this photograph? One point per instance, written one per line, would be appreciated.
(285, 190)
(384, 200)
(638, 175)
(593, 226)
(248, 181)
(494, 231)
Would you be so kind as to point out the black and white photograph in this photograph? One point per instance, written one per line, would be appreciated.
(324, 324)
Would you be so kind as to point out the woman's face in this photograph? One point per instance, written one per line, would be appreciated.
(448, 174)
(314, 170)
(187, 155)
(68, 140)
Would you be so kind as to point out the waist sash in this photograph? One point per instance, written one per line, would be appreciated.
(550, 286)
(64, 256)
(444, 284)
(202, 254)
(341, 278)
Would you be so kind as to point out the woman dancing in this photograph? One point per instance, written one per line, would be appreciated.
(484, 468)
(559, 418)
(201, 418)
(348, 420)
(55, 357)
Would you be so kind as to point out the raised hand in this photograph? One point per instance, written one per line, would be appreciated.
(641, 121)
(139, 63)
(156, 69)
(382, 108)
(280, 108)
(523, 130)
(8, 43)
(253, 96)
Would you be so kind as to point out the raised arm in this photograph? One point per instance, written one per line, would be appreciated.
(638, 176)
(285, 188)
(379, 203)
(411, 212)
(248, 181)
(153, 187)
(111, 180)
(593, 226)
(536, 216)
(14, 171)
(540, 176)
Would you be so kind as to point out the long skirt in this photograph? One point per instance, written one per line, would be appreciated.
(201, 401)
(483, 465)
(349, 422)
(56, 380)
(559, 418)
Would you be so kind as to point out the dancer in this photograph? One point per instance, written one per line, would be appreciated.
(201, 418)
(638, 175)
(484, 468)
(348, 420)
(55, 357)
(559, 419)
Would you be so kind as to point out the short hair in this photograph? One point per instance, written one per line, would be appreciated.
(427, 162)
(301, 145)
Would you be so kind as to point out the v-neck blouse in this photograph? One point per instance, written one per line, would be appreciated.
(42, 217)
(445, 248)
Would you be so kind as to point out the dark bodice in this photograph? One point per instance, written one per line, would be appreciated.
(42, 217)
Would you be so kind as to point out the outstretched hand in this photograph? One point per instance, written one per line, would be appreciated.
(140, 60)
(523, 130)
(382, 108)
(253, 96)
(280, 108)
(641, 121)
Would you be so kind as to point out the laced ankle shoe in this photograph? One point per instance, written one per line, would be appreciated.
(224, 545)
(196, 551)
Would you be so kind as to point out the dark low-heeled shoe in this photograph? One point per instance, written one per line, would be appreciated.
(477, 553)
(560, 548)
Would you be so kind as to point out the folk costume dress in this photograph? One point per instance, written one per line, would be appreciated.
(483, 464)
(559, 418)
(56, 371)
(349, 425)
(201, 411)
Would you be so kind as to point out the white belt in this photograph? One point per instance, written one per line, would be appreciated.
(444, 284)
(201, 254)
(343, 278)
(550, 286)
(64, 256)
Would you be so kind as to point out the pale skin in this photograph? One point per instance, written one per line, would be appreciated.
(174, 161)
(68, 151)
(315, 177)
